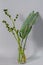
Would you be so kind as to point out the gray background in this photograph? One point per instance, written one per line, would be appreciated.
(8, 44)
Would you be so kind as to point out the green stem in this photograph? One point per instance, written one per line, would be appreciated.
(22, 57)
(25, 43)
(16, 37)
(12, 21)
(21, 42)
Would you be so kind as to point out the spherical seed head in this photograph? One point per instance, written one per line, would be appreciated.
(9, 15)
(11, 28)
(4, 21)
(5, 9)
(7, 25)
(17, 15)
(5, 12)
(14, 19)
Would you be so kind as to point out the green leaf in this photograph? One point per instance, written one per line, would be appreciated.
(27, 25)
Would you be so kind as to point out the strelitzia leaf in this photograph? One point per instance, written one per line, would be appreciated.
(27, 21)
(27, 25)
(34, 19)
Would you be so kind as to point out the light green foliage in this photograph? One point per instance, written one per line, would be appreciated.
(28, 23)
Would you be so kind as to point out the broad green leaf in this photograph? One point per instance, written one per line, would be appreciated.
(27, 25)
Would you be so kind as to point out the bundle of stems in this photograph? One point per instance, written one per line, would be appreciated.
(22, 34)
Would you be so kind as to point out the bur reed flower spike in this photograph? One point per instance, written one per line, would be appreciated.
(16, 17)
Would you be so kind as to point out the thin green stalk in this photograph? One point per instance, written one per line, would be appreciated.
(12, 22)
(25, 43)
(14, 35)
(17, 37)
(21, 42)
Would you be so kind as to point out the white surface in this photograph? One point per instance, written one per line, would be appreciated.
(8, 44)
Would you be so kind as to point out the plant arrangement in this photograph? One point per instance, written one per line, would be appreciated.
(22, 34)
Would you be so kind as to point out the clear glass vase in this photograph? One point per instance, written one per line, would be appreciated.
(21, 56)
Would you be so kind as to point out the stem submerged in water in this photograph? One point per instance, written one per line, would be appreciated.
(21, 57)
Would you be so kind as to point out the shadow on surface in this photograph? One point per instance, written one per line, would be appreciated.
(32, 58)
(37, 37)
